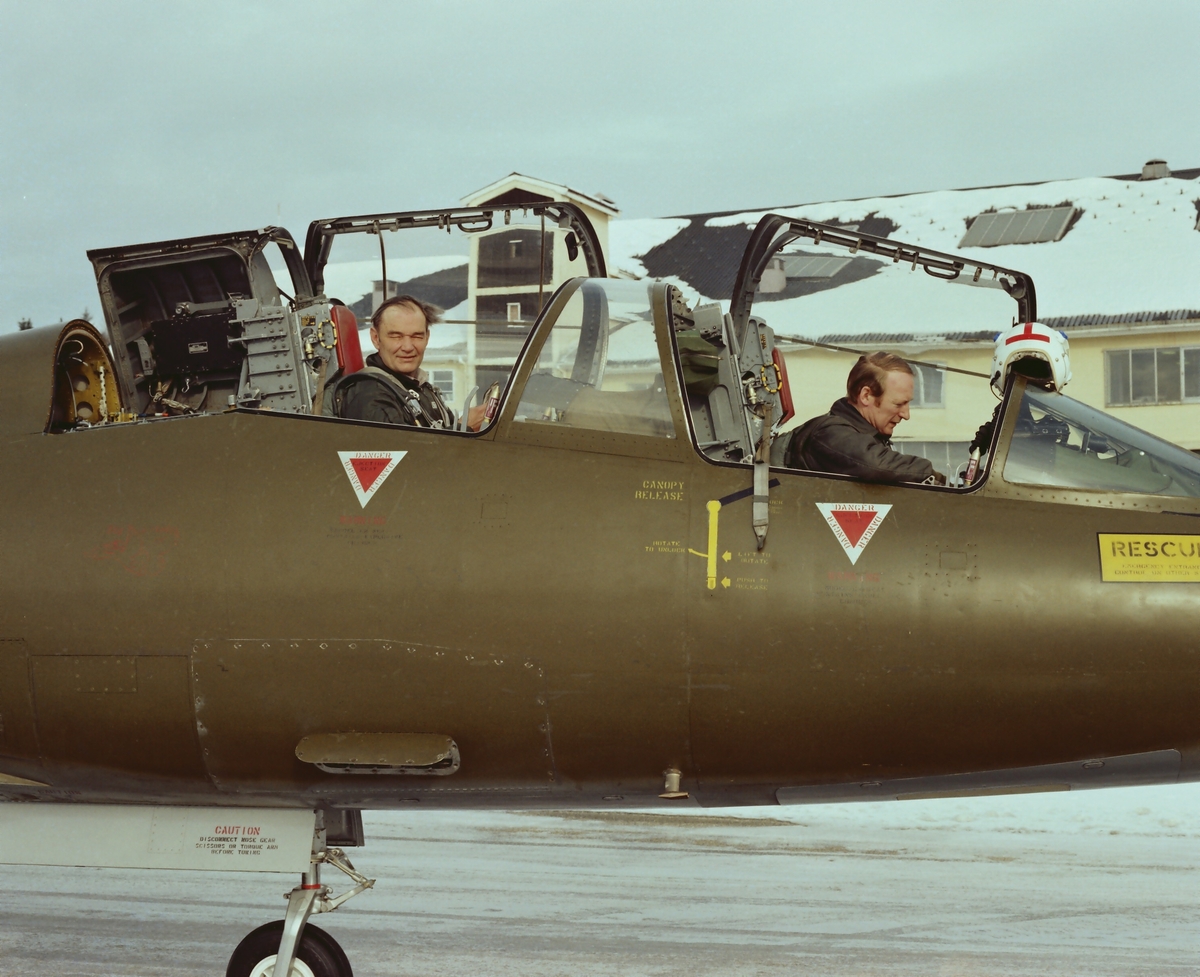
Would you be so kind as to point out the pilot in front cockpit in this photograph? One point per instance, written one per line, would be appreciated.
(392, 388)
(854, 438)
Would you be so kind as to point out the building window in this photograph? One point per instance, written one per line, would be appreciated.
(506, 314)
(511, 257)
(1169, 375)
(1037, 225)
(927, 386)
(444, 381)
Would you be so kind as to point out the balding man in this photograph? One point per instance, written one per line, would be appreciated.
(854, 438)
(392, 388)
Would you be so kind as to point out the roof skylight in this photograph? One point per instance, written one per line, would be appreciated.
(1037, 225)
(813, 265)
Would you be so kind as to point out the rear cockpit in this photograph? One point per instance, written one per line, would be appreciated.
(1037, 443)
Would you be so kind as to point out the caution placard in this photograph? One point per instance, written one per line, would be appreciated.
(238, 839)
(1140, 557)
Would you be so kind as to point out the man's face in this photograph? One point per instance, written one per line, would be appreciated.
(401, 338)
(888, 410)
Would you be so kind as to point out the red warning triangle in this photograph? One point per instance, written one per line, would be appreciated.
(368, 469)
(853, 522)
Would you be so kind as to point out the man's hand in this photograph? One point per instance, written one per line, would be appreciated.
(983, 437)
(475, 418)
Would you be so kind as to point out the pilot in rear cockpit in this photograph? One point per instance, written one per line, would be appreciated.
(392, 388)
(854, 438)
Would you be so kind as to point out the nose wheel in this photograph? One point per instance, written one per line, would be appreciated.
(290, 947)
(317, 954)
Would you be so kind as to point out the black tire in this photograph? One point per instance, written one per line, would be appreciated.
(317, 949)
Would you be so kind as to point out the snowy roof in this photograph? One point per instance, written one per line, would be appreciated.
(495, 193)
(348, 280)
(1129, 256)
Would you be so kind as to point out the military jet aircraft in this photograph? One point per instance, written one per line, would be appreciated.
(230, 623)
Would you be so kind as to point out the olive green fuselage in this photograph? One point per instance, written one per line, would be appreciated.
(184, 599)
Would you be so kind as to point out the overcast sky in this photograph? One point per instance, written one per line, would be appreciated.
(132, 122)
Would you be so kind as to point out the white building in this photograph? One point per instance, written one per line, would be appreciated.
(515, 267)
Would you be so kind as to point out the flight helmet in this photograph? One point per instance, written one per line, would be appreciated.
(1031, 350)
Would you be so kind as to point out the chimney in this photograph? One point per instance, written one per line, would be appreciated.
(1155, 169)
(774, 277)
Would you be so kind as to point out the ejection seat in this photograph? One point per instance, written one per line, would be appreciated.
(349, 350)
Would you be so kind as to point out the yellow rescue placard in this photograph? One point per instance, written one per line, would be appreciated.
(1137, 557)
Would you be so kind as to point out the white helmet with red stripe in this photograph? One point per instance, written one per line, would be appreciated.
(1032, 350)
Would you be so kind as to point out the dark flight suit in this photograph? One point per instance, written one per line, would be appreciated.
(846, 443)
(380, 394)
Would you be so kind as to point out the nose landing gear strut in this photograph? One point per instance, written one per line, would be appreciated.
(290, 948)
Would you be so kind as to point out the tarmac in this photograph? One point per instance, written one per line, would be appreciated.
(1096, 883)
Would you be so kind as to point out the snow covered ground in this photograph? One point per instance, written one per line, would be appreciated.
(1098, 883)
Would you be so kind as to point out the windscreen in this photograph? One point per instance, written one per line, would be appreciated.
(1061, 443)
(599, 368)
